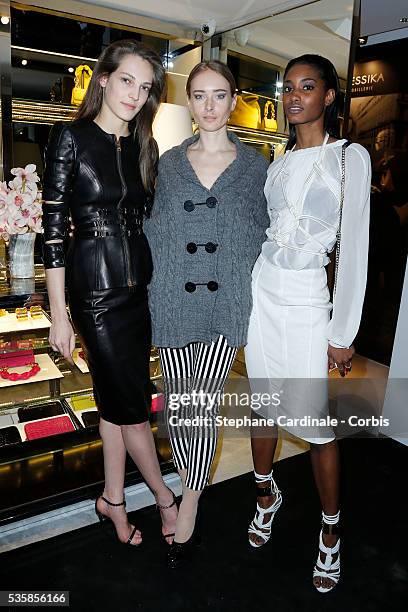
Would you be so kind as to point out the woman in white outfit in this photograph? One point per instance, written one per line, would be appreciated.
(292, 342)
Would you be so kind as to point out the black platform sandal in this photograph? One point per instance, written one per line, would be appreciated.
(181, 552)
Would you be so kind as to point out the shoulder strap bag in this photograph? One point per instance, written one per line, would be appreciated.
(333, 274)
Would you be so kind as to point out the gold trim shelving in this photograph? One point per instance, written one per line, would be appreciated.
(28, 111)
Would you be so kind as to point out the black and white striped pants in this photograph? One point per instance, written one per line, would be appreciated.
(194, 377)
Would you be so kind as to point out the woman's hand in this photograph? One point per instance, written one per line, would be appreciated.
(62, 338)
(340, 358)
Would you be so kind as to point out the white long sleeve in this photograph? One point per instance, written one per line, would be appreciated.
(303, 193)
(352, 271)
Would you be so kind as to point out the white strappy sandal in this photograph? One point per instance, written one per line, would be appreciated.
(258, 527)
(329, 568)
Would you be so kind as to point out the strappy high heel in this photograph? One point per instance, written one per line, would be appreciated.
(258, 527)
(103, 518)
(162, 507)
(328, 568)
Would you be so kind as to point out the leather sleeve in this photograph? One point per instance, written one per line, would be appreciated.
(57, 188)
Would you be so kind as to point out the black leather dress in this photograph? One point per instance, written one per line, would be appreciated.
(92, 180)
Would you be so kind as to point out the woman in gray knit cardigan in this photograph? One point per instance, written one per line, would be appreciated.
(206, 230)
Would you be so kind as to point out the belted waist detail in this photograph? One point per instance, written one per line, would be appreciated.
(111, 223)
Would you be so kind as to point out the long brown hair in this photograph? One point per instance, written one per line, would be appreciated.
(215, 66)
(141, 125)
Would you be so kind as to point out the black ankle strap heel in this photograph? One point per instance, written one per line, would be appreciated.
(103, 518)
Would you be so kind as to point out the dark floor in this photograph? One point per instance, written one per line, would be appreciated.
(227, 574)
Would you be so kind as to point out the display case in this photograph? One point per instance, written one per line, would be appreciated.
(50, 449)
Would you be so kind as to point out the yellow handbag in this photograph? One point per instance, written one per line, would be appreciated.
(83, 75)
(269, 122)
(247, 112)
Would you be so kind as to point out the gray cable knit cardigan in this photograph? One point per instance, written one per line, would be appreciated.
(186, 216)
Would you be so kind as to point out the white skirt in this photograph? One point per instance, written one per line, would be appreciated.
(286, 354)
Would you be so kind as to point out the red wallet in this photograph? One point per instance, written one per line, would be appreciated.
(48, 427)
(16, 353)
(157, 403)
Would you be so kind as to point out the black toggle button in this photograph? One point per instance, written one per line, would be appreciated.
(210, 247)
(191, 287)
(191, 247)
(189, 205)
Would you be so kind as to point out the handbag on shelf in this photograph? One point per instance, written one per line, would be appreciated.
(83, 402)
(16, 354)
(9, 435)
(67, 87)
(83, 74)
(247, 112)
(48, 427)
(269, 122)
(158, 403)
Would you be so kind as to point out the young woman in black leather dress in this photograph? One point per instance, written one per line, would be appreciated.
(100, 171)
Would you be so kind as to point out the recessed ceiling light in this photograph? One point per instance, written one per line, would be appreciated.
(5, 20)
(24, 62)
(70, 69)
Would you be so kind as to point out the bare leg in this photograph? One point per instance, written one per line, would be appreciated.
(263, 444)
(187, 511)
(187, 515)
(139, 442)
(183, 476)
(114, 457)
(326, 471)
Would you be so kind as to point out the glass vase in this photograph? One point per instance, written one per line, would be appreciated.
(21, 255)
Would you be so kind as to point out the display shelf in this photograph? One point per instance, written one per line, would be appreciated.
(79, 361)
(42, 112)
(10, 324)
(49, 371)
(253, 136)
(62, 467)
(84, 408)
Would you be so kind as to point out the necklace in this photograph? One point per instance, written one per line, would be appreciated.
(13, 376)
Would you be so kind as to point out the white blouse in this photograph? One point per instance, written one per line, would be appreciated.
(303, 194)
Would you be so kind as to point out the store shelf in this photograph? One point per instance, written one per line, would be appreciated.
(10, 324)
(79, 362)
(48, 472)
(28, 111)
(49, 371)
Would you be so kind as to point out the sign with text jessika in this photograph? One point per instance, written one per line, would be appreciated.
(375, 78)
